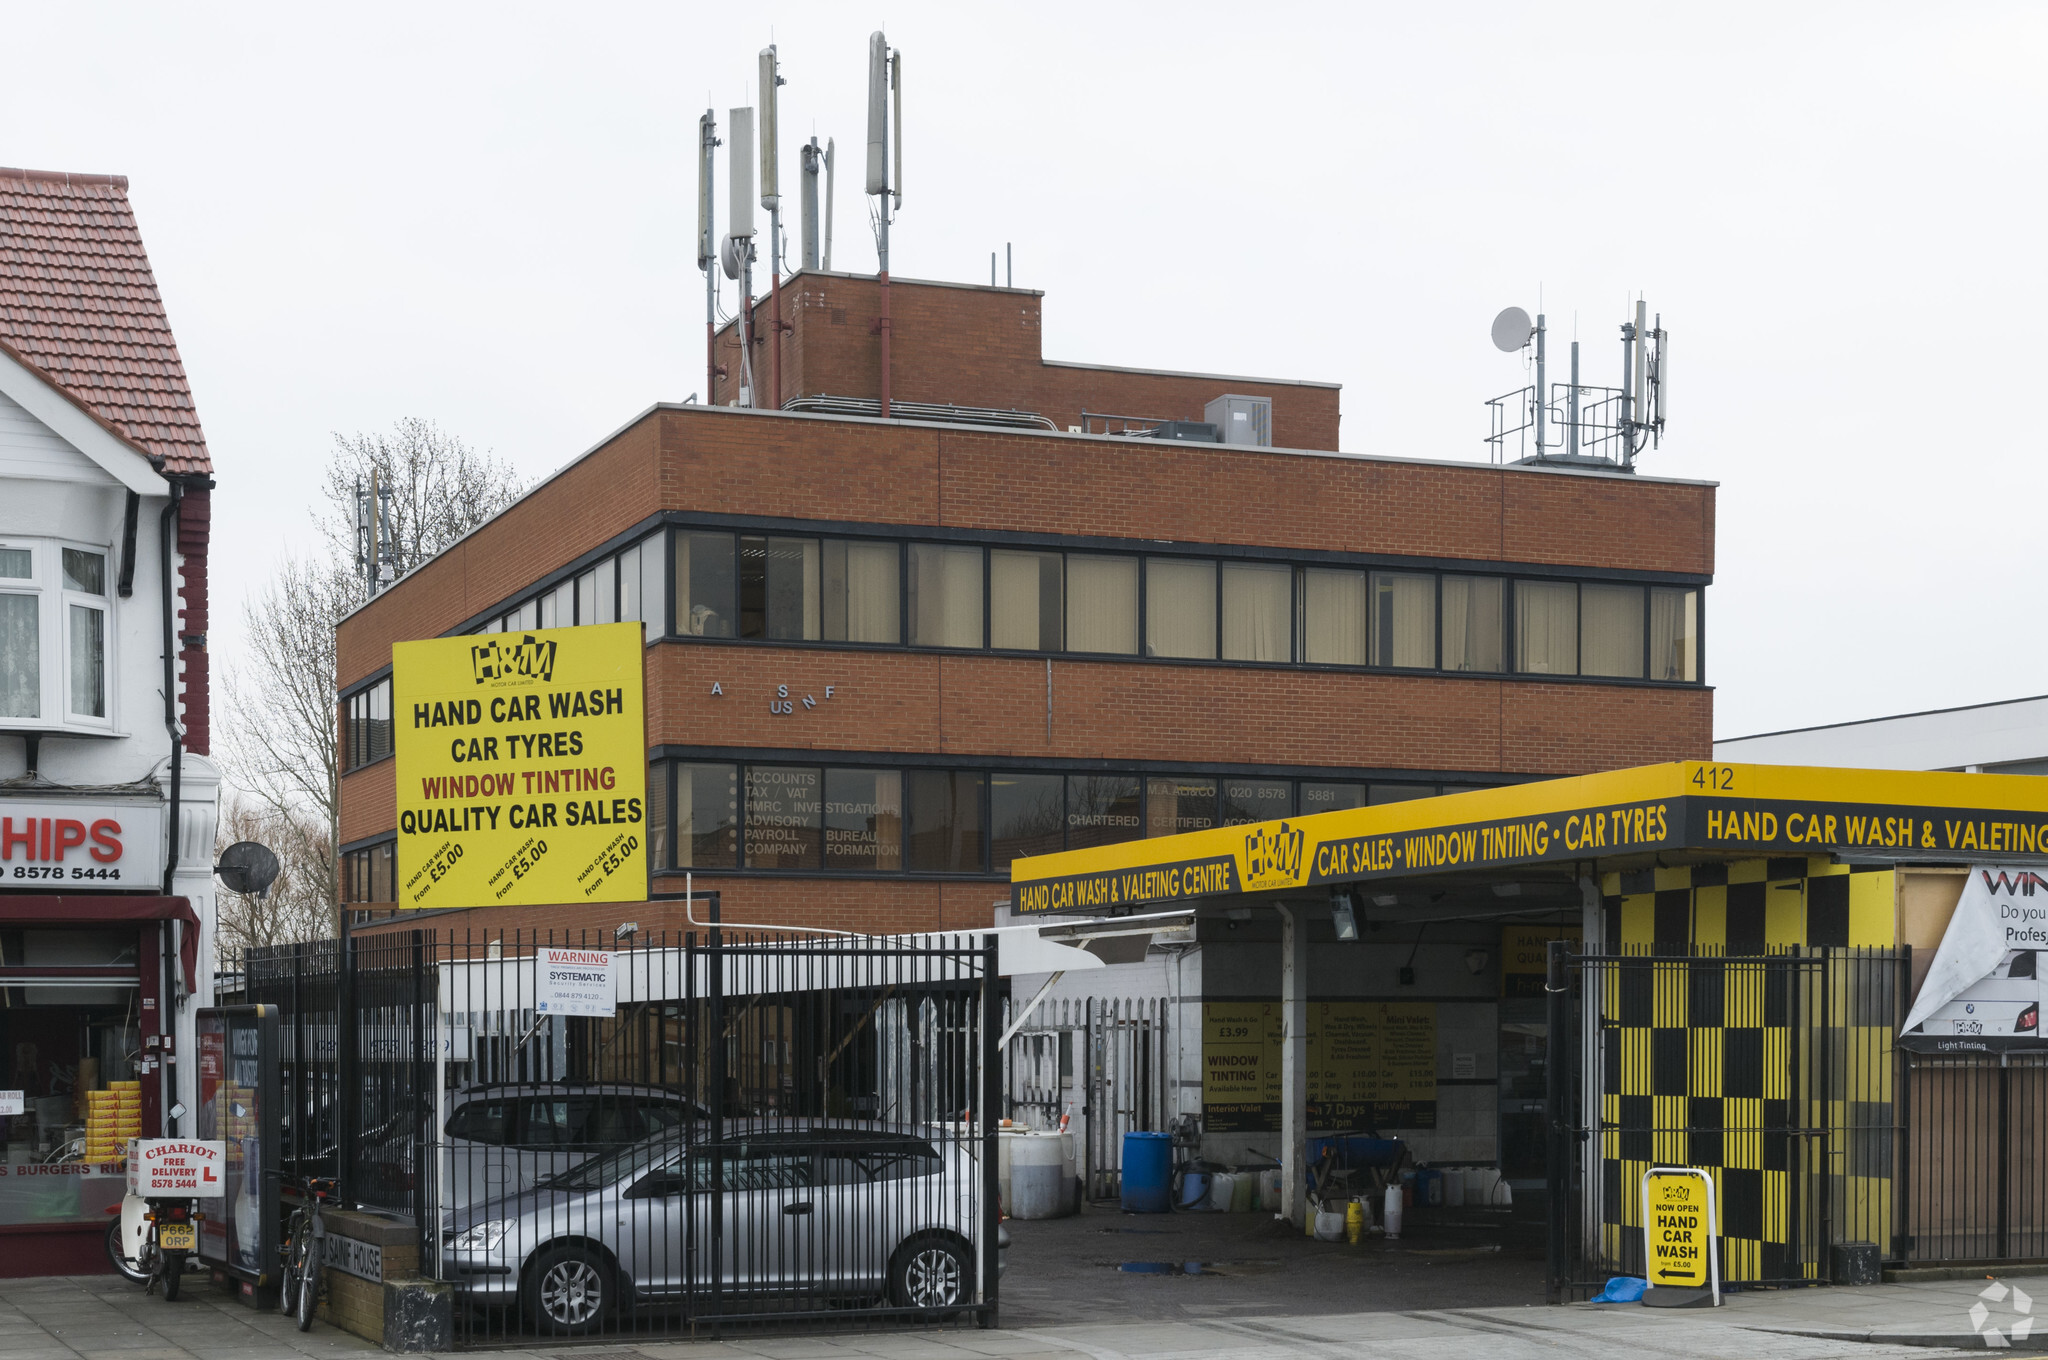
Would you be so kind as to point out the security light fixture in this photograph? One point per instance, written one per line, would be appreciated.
(1385, 900)
(1343, 917)
(626, 930)
(1476, 961)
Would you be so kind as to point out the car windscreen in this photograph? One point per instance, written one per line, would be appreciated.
(624, 1164)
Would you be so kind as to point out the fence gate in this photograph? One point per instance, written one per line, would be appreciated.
(1974, 1182)
(1776, 1073)
(674, 1138)
(1103, 1061)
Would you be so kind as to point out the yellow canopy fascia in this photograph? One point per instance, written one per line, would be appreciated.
(1691, 806)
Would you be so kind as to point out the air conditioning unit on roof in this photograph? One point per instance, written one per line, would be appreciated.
(1242, 420)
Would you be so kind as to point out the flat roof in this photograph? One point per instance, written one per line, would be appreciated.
(1652, 814)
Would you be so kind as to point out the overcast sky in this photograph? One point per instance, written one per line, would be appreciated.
(483, 215)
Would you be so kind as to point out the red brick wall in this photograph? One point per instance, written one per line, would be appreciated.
(985, 707)
(974, 346)
(882, 907)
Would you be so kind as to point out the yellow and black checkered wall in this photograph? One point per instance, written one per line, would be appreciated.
(1728, 1042)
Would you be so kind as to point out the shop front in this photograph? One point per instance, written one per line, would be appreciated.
(1545, 990)
(88, 981)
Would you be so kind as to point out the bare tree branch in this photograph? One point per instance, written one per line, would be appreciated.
(282, 741)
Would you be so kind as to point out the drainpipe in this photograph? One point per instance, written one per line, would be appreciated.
(171, 725)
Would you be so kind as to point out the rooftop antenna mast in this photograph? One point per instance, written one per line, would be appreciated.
(771, 199)
(885, 171)
(707, 248)
(376, 545)
(739, 239)
(809, 155)
(1602, 425)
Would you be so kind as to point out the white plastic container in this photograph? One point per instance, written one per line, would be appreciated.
(1269, 1191)
(1454, 1189)
(1244, 1192)
(1037, 1176)
(1393, 1214)
(1222, 1188)
(1330, 1227)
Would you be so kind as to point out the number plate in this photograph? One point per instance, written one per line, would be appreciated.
(177, 1237)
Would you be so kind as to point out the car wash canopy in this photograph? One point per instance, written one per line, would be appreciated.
(1691, 807)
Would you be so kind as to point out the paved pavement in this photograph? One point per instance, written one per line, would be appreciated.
(102, 1318)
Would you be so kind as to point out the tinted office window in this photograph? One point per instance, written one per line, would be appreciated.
(1258, 612)
(863, 819)
(1102, 604)
(1326, 797)
(586, 597)
(1027, 816)
(1024, 600)
(1103, 809)
(657, 815)
(779, 588)
(1403, 619)
(1174, 804)
(1611, 630)
(1332, 617)
(1180, 607)
(1399, 793)
(863, 595)
(653, 573)
(558, 606)
(1255, 800)
(631, 608)
(607, 592)
(1547, 627)
(943, 826)
(705, 585)
(1674, 634)
(785, 811)
(1473, 619)
(707, 816)
(945, 595)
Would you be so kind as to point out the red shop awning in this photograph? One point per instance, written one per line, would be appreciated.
(79, 909)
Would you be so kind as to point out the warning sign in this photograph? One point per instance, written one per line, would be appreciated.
(1678, 1229)
(175, 1168)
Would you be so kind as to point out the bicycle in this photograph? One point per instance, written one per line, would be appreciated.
(299, 1288)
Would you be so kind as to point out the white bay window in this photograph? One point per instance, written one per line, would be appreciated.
(55, 635)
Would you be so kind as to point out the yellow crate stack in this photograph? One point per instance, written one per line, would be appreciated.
(112, 1117)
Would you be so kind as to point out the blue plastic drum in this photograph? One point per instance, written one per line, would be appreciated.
(1148, 1160)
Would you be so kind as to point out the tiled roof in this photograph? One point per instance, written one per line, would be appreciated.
(78, 301)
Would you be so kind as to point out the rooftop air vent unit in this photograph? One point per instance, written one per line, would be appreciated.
(1243, 420)
(1193, 431)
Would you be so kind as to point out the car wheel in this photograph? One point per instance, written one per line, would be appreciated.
(931, 1273)
(570, 1291)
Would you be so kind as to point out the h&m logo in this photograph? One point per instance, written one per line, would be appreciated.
(2023, 883)
(502, 659)
(1273, 857)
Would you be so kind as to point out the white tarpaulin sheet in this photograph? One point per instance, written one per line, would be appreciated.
(1985, 982)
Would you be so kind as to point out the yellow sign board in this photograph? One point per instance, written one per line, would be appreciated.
(1693, 805)
(1371, 1064)
(522, 768)
(1678, 1229)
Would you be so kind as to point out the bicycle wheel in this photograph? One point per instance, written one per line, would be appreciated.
(309, 1294)
(294, 1253)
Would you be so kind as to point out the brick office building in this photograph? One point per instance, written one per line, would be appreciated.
(887, 656)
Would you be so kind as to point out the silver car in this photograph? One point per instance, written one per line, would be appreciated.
(501, 1139)
(830, 1211)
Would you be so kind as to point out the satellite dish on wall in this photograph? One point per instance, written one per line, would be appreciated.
(1512, 329)
(246, 867)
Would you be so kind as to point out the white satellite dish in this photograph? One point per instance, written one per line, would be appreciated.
(1512, 329)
